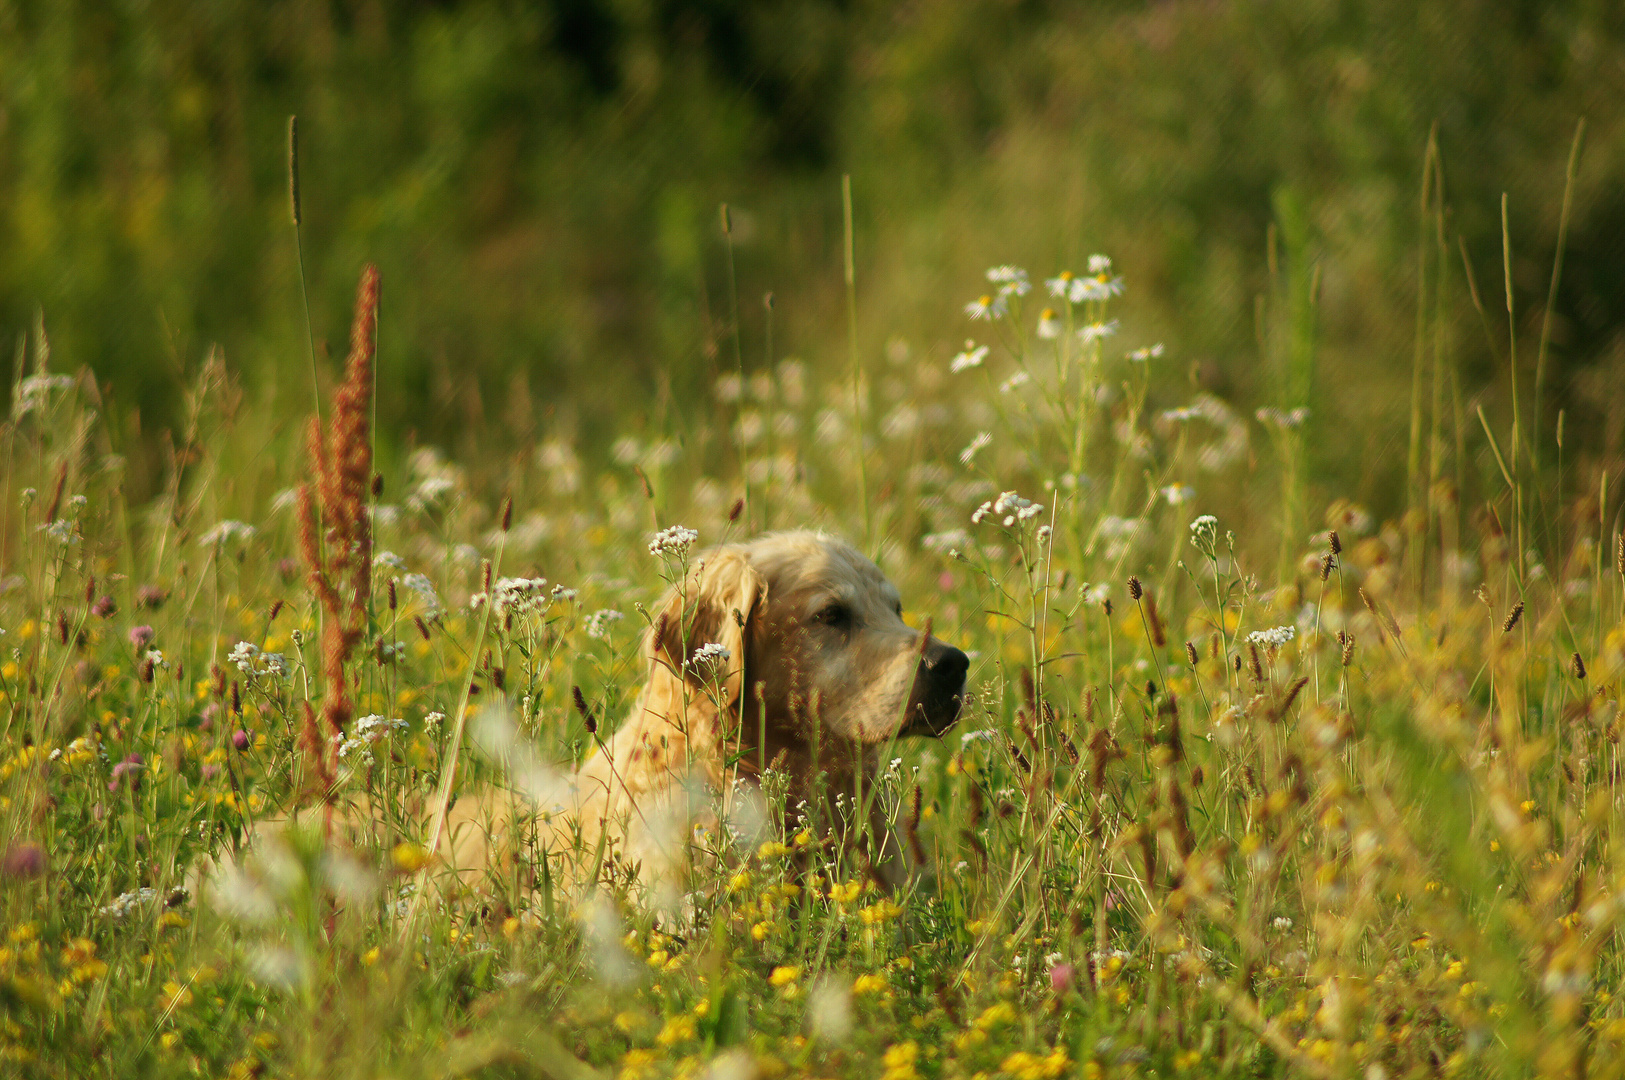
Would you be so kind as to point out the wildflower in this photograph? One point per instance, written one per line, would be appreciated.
(983, 439)
(425, 590)
(1049, 324)
(125, 903)
(1097, 286)
(971, 356)
(1181, 414)
(1061, 284)
(784, 975)
(996, 1015)
(678, 1029)
(1282, 418)
(23, 860)
(708, 656)
(1010, 506)
(599, 622)
(946, 542)
(1150, 352)
(62, 530)
(899, 1061)
(240, 739)
(882, 912)
(1090, 333)
(1177, 494)
(226, 532)
(388, 560)
(1011, 280)
(1062, 977)
(1028, 1066)
(1274, 638)
(1207, 523)
(140, 637)
(1019, 379)
(868, 984)
(675, 542)
(987, 307)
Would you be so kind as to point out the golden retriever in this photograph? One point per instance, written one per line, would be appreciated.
(794, 635)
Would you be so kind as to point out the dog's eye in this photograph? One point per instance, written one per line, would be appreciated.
(834, 614)
(897, 609)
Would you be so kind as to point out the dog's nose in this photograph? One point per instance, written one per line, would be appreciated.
(946, 663)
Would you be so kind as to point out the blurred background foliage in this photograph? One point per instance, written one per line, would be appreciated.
(540, 184)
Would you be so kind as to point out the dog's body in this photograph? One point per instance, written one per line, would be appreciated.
(807, 648)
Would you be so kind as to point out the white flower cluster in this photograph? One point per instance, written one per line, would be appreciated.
(368, 731)
(61, 530)
(426, 591)
(1150, 352)
(1098, 284)
(35, 391)
(1206, 523)
(1274, 637)
(519, 596)
(1010, 506)
(125, 903)
(226, 532)
(253, 661)
(708, 656)
(388, 560)
(599, 622)
(675, 542)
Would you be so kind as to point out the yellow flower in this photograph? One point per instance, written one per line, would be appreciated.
(370, 957)
(510, 926)
(784, 976)
(408, 857)
(868, 984)
(658, 958)
(773, 849)
(899, 1061)
(1026, 1066)
(881, 912)
(969, 1039)
(175, 996)
(739, 882)
(636, 1062)
(802, 838)
(994, 1015)
(677, 1029)
(845, 893)
(760, 931)
(170, 1039)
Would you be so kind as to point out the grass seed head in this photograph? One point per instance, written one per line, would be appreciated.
(1512, 618)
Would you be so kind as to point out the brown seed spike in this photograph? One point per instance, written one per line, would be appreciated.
(1619, 553)
(1512, 618)
(1347, 641)
(377, 485)
(1135, 589)
(1190, 653)
(1578, 666)
(507, 513)
(736, 509)
(1326, 566)
(580, 700)
(1334, 542)
(423, 627)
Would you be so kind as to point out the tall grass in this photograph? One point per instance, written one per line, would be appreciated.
(1201, 817)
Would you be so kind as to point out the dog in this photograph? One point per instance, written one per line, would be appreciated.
(788, 649)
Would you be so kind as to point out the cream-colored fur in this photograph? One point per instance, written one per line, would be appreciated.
(817, 657)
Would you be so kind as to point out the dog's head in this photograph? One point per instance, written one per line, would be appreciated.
(814, 636)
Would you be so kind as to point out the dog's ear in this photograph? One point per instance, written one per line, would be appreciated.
(716, 605)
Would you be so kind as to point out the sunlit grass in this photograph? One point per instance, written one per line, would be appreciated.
(1356, 818)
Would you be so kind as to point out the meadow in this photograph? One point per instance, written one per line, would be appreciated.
(1301, 791)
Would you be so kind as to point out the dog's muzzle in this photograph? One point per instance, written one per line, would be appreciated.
(939, 689)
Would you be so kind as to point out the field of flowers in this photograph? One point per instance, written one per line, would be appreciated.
(1237, 793)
